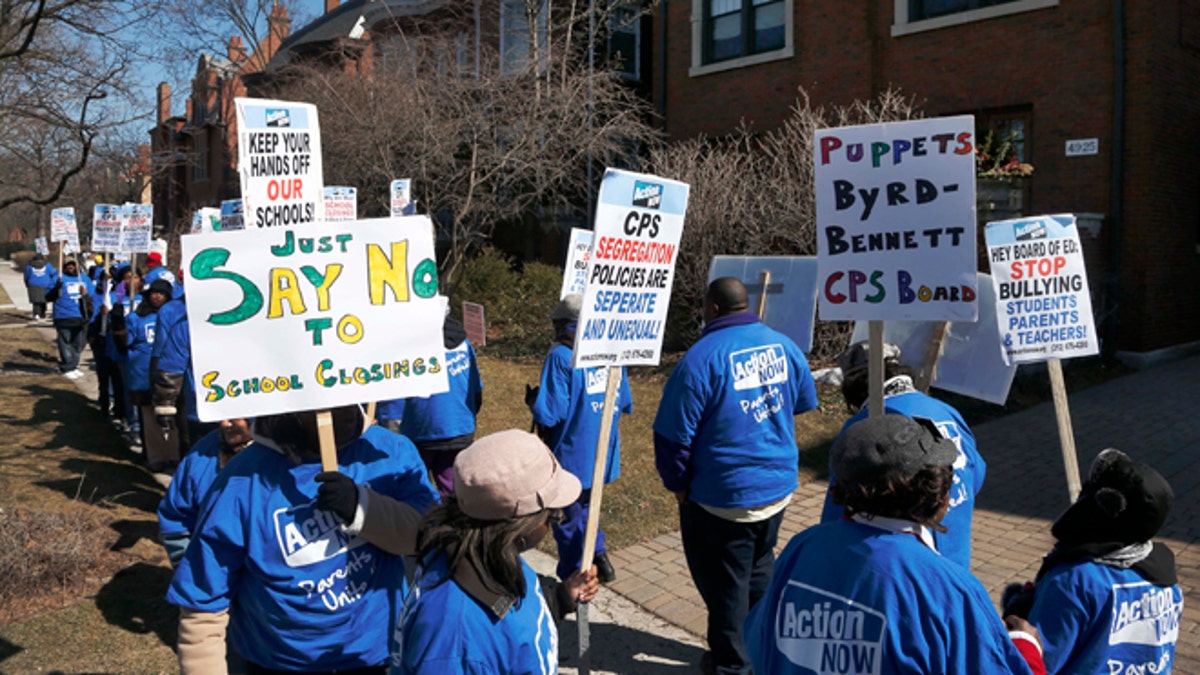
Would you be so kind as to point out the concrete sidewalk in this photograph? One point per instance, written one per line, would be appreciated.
(1154, 416)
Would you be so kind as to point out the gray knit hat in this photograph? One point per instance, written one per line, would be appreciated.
(890, 444)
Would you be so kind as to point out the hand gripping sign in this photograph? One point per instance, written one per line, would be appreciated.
(309, 319)
(279, 162)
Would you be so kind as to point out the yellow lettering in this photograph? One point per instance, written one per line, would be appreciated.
(391, 273)
(350, 329)
(284, 288)
(332, 272)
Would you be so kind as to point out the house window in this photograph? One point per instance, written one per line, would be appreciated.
(737, 28)
(624, 41)
(928, 9)
(520, 26)
(915, 16)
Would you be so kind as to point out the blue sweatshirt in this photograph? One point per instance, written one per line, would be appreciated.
(853, 598)
(448, 632)
(181, 505)
(67, 304)
(724, 429)
(173, 349)
(569, 406)
(140, 335)
(1095, 619)
(446, 415)
(45, 276)
(302, 594)
(969, 470)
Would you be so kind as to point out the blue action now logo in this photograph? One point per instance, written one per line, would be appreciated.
(648, 195)
(822, 632)
(278, 117)
(1033, 229)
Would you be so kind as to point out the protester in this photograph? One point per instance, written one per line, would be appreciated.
(72, 298)
(901, 396)
(96, 269)
(138, 330)
(442, 425)
(155, 269)
(724, 443)
(476, 606)
(299, 590)
(1107, 598)
(110, 384)
(172, 380)
(870, 590)
(181, 506)
(568, 407)
(116, 346)
(40, 276)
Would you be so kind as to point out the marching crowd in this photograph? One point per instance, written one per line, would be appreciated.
(407, 559)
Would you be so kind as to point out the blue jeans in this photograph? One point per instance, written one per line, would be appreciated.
(70, 339)
(569, 536)
(731, 565)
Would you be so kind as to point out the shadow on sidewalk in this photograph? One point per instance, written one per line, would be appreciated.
(135, 600)
(618, 649)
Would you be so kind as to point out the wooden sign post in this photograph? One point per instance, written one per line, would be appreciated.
(875, 371)
(1066, 434)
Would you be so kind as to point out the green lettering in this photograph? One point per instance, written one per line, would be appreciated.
(204, 266)
(425, 280)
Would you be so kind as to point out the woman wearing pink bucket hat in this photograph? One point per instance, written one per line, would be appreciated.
(475, 605)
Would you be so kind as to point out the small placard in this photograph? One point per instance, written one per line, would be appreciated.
(474, 323)
(1079, 147)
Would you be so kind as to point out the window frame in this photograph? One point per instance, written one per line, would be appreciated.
(902, 26)
(541, 35)
(700, 42)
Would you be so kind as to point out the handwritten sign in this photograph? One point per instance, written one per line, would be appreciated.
(232, 216)
(401, 192)
(896, 220)
(575, 271)
(279, 161)
(106, 228)
(137, 230)
(341, 203)
(62, 221)
(326, 315)
(639, 222)
(1043, 306)
(474, 323)
(206, 219)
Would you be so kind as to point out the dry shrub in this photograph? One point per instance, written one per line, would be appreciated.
(752, 195)
(44, 553)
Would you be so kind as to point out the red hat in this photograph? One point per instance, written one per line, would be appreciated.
(154, 258)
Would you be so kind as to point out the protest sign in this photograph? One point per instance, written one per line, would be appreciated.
(232, 218)
(341, 203)
(159, 246)
(896, 220)
(791, 291)
(575, 270)
(1043, 306)
(279, 161)
(207, 219)
(970, 364)
(62, 221)
(121, 256)
(71, 245)
(639, 221)
(136, 231)
(474, 323)
(107, 220)
(313, 318)
(401, 191)
(41, 246)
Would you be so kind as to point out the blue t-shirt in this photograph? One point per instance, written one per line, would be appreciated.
(301, 593)
(969, 470)
(66, 306)
(169, 314)
(173, 349)
(181, 505)
(45, 276)
(139, 331)
(569, 406)
(447, 632)
(1094, 618)
(444, 415)
(731, 400)
(853, 598)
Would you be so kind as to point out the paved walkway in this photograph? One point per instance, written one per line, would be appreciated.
(1154, 416)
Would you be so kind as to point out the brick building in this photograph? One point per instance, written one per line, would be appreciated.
(1047, 71)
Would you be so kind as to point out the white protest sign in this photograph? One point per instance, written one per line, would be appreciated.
(575, 269)
(791, 306)
(41, 246)
(62, 221)
(106, 228)
(896, 220)
(232, 218)
(1043, 306)
(136, 232)
(159, 246)
(971, 363)
(474, 323)
(121, 256)
(207, 219)
(401, 193)
(71, 245)
(341, 203)
(639, 222)
(279, 161)
(313, 318)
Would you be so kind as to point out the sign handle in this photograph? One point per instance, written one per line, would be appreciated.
(765, 278)
(875, 374)
(593, 521)
(933, 352)
(1066, 435)
(328, 445)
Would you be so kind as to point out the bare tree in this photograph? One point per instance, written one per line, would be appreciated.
(187, 28)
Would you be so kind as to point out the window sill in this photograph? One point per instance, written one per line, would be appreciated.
(731, 64)
(902, 27)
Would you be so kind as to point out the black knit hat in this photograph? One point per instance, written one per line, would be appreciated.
(890, 444)
(1122, 501)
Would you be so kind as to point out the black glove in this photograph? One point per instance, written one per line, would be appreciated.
(117, 317)
(1017, 599)
(531, 394)
(338, 495)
